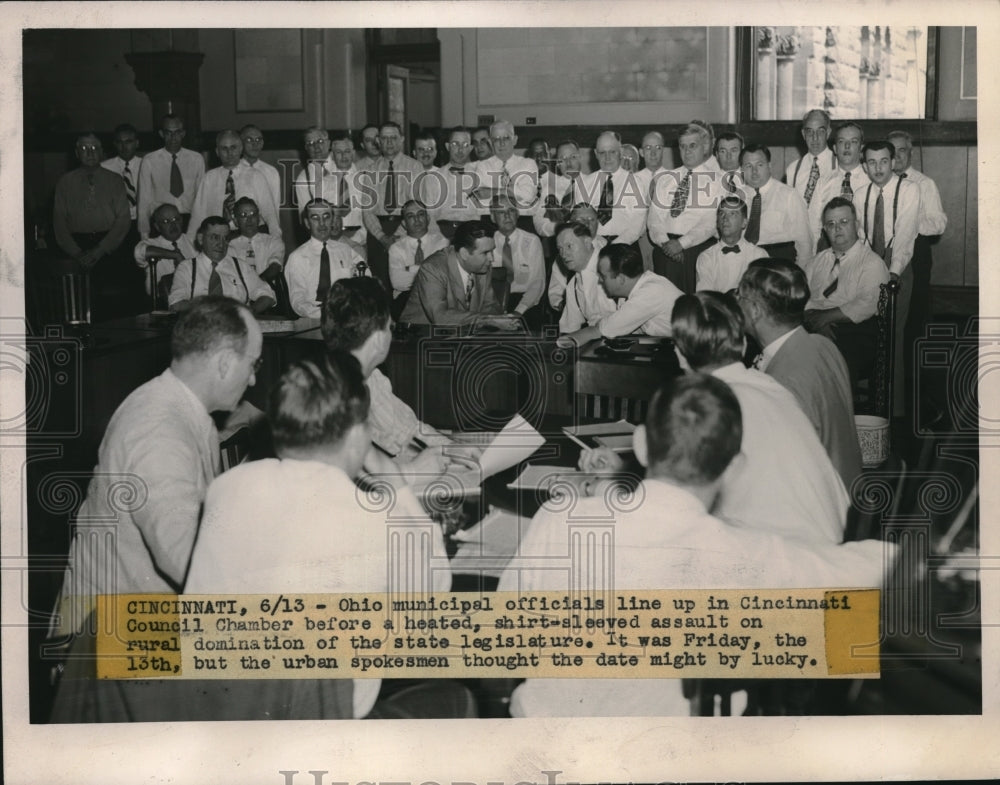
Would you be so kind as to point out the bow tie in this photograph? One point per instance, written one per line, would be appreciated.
(730, 249)
(456, 168)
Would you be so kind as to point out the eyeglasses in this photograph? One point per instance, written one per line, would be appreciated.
(652, 148)
(831, 225)
(254, 140)
(248, 214)
(459, 145)
(313, 142)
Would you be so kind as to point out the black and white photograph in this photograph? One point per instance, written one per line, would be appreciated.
(498, 302)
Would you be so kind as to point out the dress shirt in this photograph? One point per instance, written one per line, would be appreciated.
(405, 173)
(787, 483)
(900, 234)
(402, 258)
(267, 248)
(667, 541)
(271, 176)
(523, 174)
(557, 281)
(860, 275)
(933, 220)
(797, 172)
(247, 182)
(446, 196)
(829, 188)
(783, 217)
(90, 201)
(117, 165)
(586, 302)
(163, 266)
(697, 223)
(245, 288)
(162, 444)
(721, 272)
(552, 185)
(392, 423)
(529, 266)
(768, 352)
(646, 310)
(313, 533)
(366, 163)
(628, 213)
(154, 183)
(309, 185)
(438, 294)
(302, 273)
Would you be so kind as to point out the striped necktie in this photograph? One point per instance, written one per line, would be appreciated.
(229, 202)
(845, 187)
(681, 196)
(129, 186)
(834, 278)
(469, 286)
(813, 179)
(607, 199)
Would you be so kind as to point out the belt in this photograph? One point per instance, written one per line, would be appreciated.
(351, 228)
(674, 236)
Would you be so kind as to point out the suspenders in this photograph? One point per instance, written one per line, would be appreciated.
(239, 272)
(895, 210)
(795, 177)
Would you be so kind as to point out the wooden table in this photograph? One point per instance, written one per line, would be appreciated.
(616, 385)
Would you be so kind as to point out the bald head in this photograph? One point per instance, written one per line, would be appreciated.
(229, 148)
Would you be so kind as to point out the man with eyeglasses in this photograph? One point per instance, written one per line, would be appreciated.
(409, 252)
(846, 177)
(506, 174)
(170, 175)
(369, 149)
(390, 184)
(556, 199)
(448, 195)
(807, 173)
(618, 195)
(264, 252)
(163, 251)
(253, 144)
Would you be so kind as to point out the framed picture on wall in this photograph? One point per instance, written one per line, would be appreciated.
(269, 70)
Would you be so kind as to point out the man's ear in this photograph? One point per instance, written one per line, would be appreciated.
(682, 360)
(864, 165)
(640, 445)
(224, 360)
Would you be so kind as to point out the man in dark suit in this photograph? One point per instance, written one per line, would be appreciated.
(453, 285)
(773, 294)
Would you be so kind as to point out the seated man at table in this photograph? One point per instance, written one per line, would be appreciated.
(580, 213)
(518, 263)
(213, 272)
(645, 299)
(690, 445)
(166, 247)
(586, 302)
(264, 252)
(719, 268)
(453, 286)
(320, 260)
(422, 240)
(314, 533)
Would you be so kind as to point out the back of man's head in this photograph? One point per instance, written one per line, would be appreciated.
(693, 430)
(468, 233)
(211, 323)
(780, 287)
(315, 404)
(708, 329)
(623, 260)
(355, 308)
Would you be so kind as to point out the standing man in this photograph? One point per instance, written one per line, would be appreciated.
(253, 144)
(391, 183)
(226, 183)
(681, 217)
(170, 175)
(90, 219)
(425, 150)
(481, 144)
(370, 152)
(127, 166)
(518, 264)
(618, 195)
(843, 180)
(558, 190)
(448, 195)
(720, 267)
(409, 252)
(162, 252)
(508, 175)
(728, 146)
(586, 302)
(778, 221)
(807, 173)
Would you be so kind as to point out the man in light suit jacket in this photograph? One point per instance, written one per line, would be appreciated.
(453, 285)
(773, 296)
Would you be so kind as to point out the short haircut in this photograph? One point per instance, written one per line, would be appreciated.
(171, 116)
(849, 125)
(212, 220)
(729, 136)
(467, 233)
(900, 135)
(425, 136)
(160, 208)
(210, 323)
(537, 140)
(823, 113)
(708, 329)
(694, 130)
(417, 202)
(459, 129)
(694, 429)
(245, 200)
(355, 309)
(341, 136)
(838, 201)
(87, 135)
(502, 201)
(623, 260)
(482, 128)
(124, 128)
(224, 133)
(657, 134)
(572, 142)
(706, 127)
(579, 228)
(390, 124)
(317, 202)
(780, 286)
(315, 404)
(502, 124)
(315, 129)
(250, 127)
(875, 146)
(367, 126)
(753, 147)
(733, 203)
(613, 134)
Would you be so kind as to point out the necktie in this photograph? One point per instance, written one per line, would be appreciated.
(758, 361)
(878, 230)
(390, 189)
(504, 176)
(729, 182)
(752, 233)
(903, 175)
(813, 179)
(176, 248)
(344, 199)
(507, 257)
(215, 282)
(129, 185)
(834, 276)
(845, 187)
(250, 254)
(230, 201)
(607, 199)
(418, 257)
(456, 169)
(567, 200)
(730, 249)
(176, 181)
(324, 276)
(681, 196)
(469, 286)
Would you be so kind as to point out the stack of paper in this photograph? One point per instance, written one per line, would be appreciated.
(614, 435)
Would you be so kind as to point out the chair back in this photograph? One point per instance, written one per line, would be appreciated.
(885, 350)
(58, 292)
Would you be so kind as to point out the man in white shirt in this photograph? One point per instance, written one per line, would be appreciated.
(425, 150)
(843, 180)
(777, 220)
(618, 195)
(558, 189)
(320, 260)
(409, 252)
(170, 175)
(645, 300)
(720, 267)
(681, 217)
(807, 173)
(586, 302)
(507, 174)
(518, 264)
(264, 252)
(222, 186)
(213, 272)
(163, 252)
(370, 151)
(448, 195)
(253, 144)
(728, 146)
(127, 165)
(482, 145)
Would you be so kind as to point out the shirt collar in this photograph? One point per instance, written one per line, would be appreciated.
(768, 352)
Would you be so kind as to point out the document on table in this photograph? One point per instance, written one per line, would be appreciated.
(615, 435)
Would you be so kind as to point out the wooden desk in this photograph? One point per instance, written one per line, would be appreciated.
(618, 384)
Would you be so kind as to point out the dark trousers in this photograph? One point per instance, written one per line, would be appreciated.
(117, 285)
(378, 254)
(781, 250)
(682, 274)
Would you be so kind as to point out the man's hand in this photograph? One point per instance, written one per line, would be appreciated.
(601, 460)
(381, 467)
(262, 303)
(428, 463)
(893, 276)
(387, 240)
(674, 250)
(88, 259)
(271, 273)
